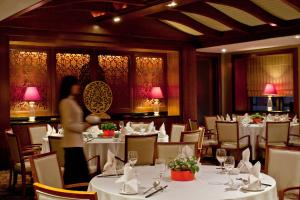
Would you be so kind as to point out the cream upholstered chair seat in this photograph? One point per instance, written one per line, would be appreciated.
(44, 192)
(210, 142)
(262, 144)
(286, 175)
(168, 151)
(233, 145)
(27, 166)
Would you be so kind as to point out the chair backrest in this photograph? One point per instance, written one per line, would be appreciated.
(176, 132)
(55, 146)
(193, 124)
(145, 145)
(194, 136)
(37, 133)
(210, 123)
(45, 170)
(283, 164)
(170, 150)
(277, 131)
(227, 131)
(14, 147)
(44, 192)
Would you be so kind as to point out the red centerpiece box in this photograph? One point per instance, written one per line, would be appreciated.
(108, 133)
(182, 175)
(257, 120)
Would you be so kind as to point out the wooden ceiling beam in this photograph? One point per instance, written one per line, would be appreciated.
(293, 3)
(204, 9)
(187, 21)
(252, 9)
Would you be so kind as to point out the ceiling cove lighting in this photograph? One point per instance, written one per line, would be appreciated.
(273, 24)
(116, 19)
(224, 50)
(172, 4)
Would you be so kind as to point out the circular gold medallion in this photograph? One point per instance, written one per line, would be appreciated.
(97, 97)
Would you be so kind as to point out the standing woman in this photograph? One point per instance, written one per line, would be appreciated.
(76, 168)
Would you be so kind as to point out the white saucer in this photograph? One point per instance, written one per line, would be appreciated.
(262, 188)
(128, 193)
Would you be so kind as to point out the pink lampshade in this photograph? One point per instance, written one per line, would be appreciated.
(270, 89)
(156, 93)
(32, 94)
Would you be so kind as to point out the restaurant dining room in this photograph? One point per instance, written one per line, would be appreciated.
(149, 99)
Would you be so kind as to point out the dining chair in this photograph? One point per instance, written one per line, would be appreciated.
(45, 192)
(229, 138)
(46, 170)
(36, 135)
(170, 150)
(19, 163)
(56, 146)
(194, 136)
(176, 130)
(277, 134)
(145, 145)
(210, 136)
(192, 125)
(287, 176)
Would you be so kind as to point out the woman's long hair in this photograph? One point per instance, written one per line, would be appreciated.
(66, 85)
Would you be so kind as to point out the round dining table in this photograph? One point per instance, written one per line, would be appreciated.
(208, 185)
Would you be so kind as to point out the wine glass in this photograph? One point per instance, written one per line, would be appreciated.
(132, 157)
(160, 166)
(221, 156)
(229, 165)
(121, 124)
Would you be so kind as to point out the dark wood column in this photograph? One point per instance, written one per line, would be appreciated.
(189, 83)
(4, 100)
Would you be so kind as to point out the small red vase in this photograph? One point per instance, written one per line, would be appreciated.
(108, 133)
(182, 175)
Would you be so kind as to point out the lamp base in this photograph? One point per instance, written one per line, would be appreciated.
(156, 113)
(31, 111)
(156, 107)
(32, 119)
(269, 104)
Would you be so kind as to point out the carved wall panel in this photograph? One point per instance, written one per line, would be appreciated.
(149, 73)
(116, 70)
(28, 68)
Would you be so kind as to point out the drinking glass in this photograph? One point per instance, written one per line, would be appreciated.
(132, 157)
(229, 165)
(221, 156)
(160, 167)
(121, 124)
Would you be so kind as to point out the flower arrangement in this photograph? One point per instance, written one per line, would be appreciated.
(108, 126)
(256, 118)
(183, 168)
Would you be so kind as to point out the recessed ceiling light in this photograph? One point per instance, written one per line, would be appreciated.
(224, 50)
(172, 4)
(117, 19)
(273, 24)
(297, 37)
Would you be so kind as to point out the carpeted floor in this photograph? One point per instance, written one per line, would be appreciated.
(6, 194)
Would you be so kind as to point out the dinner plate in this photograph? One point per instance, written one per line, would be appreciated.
(262, 188)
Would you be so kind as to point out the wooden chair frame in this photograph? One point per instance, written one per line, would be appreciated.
(65, 193)
(190, 124)
(200, 139)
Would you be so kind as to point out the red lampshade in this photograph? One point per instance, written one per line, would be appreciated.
(270, 89)
(32, 94)
(156, 93)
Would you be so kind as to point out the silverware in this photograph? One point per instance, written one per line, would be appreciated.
(246, 181)
(160, 189)
(109, 175)
(154, 185)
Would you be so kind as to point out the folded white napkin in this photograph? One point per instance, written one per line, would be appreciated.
(270, 118)
(162, 130)
(93, 129)
(130, 183)
(110, 166)
(245, 165)
(295, 119)
(60, 131)
(50, 130)
(150, 128)
(222, 118)
(187, 151)
(218, 118)
(128, 124)
(228, 119)
(254, 182)
(246, 119)
(128, 130)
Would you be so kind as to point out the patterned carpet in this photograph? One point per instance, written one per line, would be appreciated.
(6, 194)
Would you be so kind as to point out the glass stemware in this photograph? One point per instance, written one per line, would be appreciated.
(132, 157)
(160, 166)
(121, 124)
(229, 165)
(221, 156)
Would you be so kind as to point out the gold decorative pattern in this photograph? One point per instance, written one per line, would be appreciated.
(97, 97)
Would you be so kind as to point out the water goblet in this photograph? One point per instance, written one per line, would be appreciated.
(229, 165)
(160, 166)
(132, 157)
(221, 156)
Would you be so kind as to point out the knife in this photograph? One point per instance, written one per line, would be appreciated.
(160, 189)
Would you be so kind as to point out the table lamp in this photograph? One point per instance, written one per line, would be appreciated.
(270, 91)
(156, 94)
(31, 95)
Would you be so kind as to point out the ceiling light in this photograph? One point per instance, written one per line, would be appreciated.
(224, 50)
(172, 4)
(273, 24)
(297, 37)
(116, 19)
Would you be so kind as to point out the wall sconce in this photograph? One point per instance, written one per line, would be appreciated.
(270, 91)
(156, 94)
(31, 95)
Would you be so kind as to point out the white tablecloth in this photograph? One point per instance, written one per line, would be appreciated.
(259, 129)
(209, 185)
